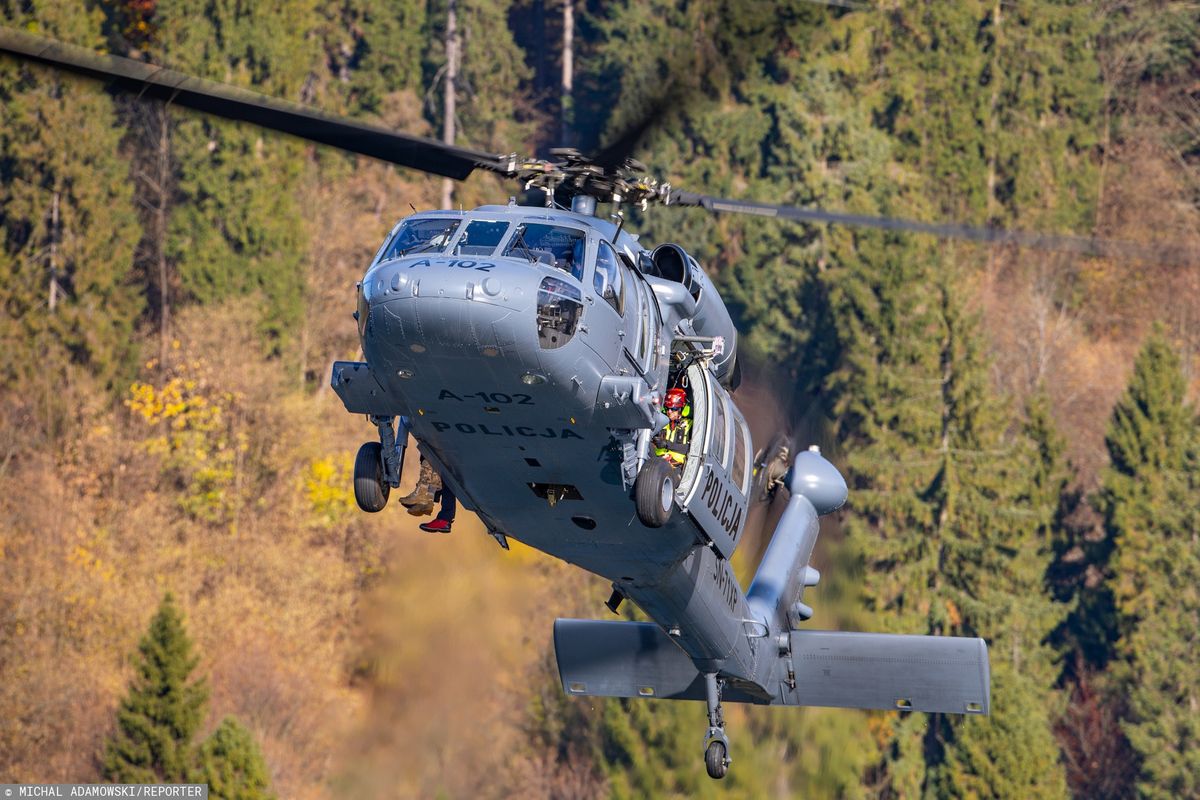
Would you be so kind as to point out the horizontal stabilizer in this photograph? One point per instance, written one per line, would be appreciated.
(607, 658)
(878, 670)
(946, 674)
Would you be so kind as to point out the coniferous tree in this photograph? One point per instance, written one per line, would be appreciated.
(1015, 753)
(232, 765)
(494, 107)
(375, 50)
(1149, 504)
(163, 710)
(950, 528)
(988, 99)
(236, 228)
(69, 227)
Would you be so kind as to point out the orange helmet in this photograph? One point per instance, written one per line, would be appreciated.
(676, 399)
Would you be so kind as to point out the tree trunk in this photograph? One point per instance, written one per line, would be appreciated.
(162, 180)
(451, 91)
(993, 111)
(568, 72)
(53, 288)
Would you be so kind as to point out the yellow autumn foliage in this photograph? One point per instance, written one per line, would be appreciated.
(200, 442)
(328, 486)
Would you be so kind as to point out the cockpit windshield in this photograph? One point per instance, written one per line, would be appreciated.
(555, 245)
(480, 238)
(420, 235)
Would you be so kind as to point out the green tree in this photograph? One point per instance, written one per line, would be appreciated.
(236, 228)
(374, 50)
(494, 109)
(232, 765)
(1148, 500)
(1150, 442)
(163, 710)
(997, 105)
(66, 213)
(950, 527)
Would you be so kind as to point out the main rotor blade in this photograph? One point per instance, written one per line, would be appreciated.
(135, 77)
(1165, 253)
(625, 143)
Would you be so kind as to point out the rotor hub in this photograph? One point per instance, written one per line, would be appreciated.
(570, 172)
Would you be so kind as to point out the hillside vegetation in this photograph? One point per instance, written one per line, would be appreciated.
(1018, 426)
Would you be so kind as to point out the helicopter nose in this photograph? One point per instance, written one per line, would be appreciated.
(447, 310)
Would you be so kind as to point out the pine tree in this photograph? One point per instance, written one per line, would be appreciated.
(375, 50)
(232, 765)
(1013, 753)
(949, 526)
(1044, 114)
(236, 228)
(1151, 516)
(163, 710)
(1149, 443)
(997, 105)
(494, 109)
(69, 227)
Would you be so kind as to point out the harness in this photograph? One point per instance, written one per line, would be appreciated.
(676, 438)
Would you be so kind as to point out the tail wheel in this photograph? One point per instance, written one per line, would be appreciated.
(654, 491)
(715, 761)
(370, 489)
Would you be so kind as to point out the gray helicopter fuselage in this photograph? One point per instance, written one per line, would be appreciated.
(542, 434)
(529, 351)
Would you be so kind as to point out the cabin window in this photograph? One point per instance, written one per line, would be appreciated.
(480, 238)
(420, 235)
(716, 446)
(553, 245)
(741, 455)
(607, 281)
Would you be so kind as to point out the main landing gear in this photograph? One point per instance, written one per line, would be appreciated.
(654, 492)
(716, 743)
(377, 467)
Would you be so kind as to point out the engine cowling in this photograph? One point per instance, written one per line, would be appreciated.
(671, 262)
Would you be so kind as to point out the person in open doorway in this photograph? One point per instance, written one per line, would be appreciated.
(672, 441)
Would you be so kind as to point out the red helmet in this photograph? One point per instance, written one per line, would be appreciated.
(676, 399)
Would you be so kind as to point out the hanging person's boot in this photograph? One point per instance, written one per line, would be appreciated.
(419, 501)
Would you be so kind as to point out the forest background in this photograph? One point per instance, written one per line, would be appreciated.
(1017, 425)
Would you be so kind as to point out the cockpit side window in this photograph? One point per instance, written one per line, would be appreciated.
(480, 238)
(554, 245)
(608, 282)
(420, 235)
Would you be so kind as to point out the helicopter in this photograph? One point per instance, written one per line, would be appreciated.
(528, 351)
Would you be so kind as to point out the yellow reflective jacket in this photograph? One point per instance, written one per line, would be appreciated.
(675, 438)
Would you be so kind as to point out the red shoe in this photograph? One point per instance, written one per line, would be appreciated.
(436, 526)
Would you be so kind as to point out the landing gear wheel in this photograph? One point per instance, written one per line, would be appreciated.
(370, 489)
(654, 491)
(715, 761)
